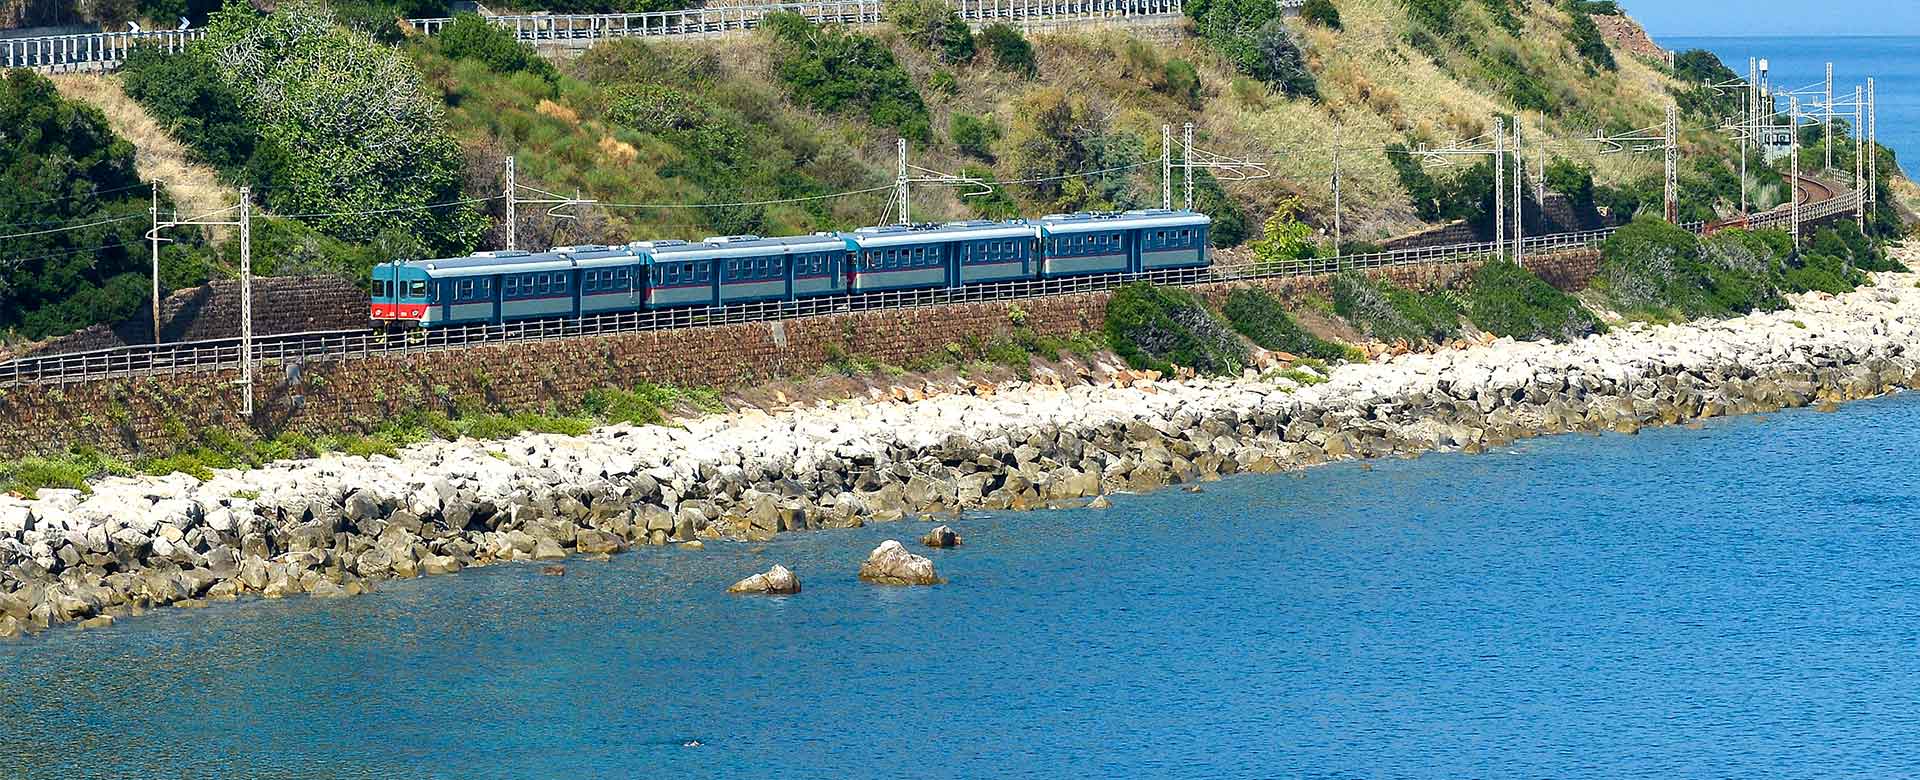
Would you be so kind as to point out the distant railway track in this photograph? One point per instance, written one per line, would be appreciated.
(107, 50)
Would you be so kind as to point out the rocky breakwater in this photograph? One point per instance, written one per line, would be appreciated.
(338, 525)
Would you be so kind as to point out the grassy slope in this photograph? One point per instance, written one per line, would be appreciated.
(195, 187)
(1378, 90)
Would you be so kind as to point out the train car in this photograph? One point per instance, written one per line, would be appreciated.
(741, 269)
(899, 257)
(611, 279)
(1126, 242)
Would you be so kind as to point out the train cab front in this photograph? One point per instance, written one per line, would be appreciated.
(399, 297)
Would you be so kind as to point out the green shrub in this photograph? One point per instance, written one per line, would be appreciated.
(1260, 317)
(184, 93)
(1509, 300)
(975, 135)
(1385, 311)
(1655, 269)
(472, 37)
(933, 24)
(62, 166)
(1572, 180)
(1011, 51)
(1434, 15)
(1321, 12)
(1162, 327)
(1179, 80)
(836, 71)
(1502, 13)
(1252, 36)
(1586, 40)
(1229, 226)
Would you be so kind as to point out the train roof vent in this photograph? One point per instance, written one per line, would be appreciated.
(497, 253)
(662, 243)
(583, 248)
(881, 230)
(1148, 212)
(731, 239)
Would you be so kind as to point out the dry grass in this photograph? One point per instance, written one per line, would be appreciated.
(557, 111)
(194, 187)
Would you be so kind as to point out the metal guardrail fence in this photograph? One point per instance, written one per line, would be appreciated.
(93, 51)
(225, 353)
(107, 50)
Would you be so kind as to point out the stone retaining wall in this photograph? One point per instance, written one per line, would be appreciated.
(281, 304)
(136, 416)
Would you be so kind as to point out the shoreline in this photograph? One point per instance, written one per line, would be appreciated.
(337, 525)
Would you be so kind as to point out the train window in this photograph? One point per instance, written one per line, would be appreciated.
(417, 288)
(1116, 239)
(466, 290)
(379, 289)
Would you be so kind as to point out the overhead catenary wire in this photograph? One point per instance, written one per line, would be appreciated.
(95, 223)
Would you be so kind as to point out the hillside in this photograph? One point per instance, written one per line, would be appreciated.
(377, 147)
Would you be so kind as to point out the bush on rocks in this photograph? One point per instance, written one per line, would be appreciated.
(1509, 300)
(1388, 312)
(1260, 317)
(1161, 327)
(1653, 269)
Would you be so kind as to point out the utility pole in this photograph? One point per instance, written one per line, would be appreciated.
(1499, 188)
(154, 233)
(1828, 129)
(1166, 167)
(1673, 164)
(1859, 164)
(1336, 197)
(1793, 184)
(246, 301)
(244, 221)
(1519, 199)
(513, 211)
(1186, 163)
(1873, 149)
(900, 182)
(1753, 104)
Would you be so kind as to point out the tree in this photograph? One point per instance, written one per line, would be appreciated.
(833, 70)
(975, 135)
(1285, 238)
(1054, 137)
(73, 210)
(366, 148)
(472, 37)
(1586, 40)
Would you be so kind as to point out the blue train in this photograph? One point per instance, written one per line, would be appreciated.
(574, 281)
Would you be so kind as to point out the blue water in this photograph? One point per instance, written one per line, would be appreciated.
(1736, 601)
(1801, 62)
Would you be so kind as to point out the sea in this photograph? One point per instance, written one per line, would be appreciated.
(1735, 600)
(1800, 64)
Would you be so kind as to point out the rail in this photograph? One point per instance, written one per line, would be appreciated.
(107, 50)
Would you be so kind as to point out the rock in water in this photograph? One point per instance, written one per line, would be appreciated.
(96, 622)
(891, 564)
(941, 537)
(777, 580)
(1100, 502)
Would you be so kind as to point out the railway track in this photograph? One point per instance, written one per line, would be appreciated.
(222, 354)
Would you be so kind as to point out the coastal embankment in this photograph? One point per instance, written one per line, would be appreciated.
(337, 525)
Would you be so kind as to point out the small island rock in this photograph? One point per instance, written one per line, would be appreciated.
(777, 580)
(941, 537)
(891, 564)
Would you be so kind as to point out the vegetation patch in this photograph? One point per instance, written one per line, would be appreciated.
(1387, 312)
(1158, 328)
(1264, 321)
(1506, 299)
(837, 71)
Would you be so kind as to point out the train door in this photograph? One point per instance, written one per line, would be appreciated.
(1136, 259)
